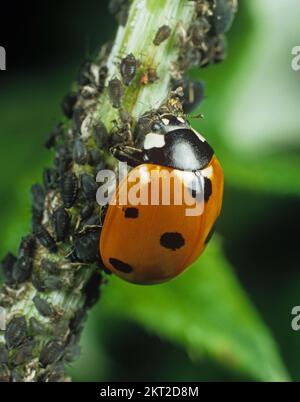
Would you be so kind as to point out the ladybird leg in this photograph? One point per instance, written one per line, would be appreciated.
(121, 135)
(133, 156)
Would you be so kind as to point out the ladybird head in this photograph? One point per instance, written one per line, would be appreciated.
(170, 141)
(169, 122)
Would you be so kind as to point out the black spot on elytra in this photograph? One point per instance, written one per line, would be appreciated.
(172, 241)
(211, 233)
(131, 213)
(207, 188)
(120, 266)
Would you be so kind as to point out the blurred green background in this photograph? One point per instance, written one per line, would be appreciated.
(229, 317)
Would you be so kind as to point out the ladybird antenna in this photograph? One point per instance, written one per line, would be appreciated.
(196, 116)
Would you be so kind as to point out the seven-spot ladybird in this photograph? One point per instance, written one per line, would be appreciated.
(150, 244)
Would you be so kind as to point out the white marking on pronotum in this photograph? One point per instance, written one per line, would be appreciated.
(181, 120)
(208, 172)
(166, 121)
(154, 141)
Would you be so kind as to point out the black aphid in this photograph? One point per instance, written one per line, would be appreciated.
(95, 157)
(115, 91)
(52, 138)
(50, 178)
(42, 306)
(100, 166)
(3, 354)
(63, 160)
(69, 188)
(78, 117)
(53, 283)
(86, 211)
(72, 353)
(22, 269)
(100, 135)
(36, 327)
(7, 267)
(37, 282)
(24, 352)
(68, 104)
(80, 153)
(86, 245)
(49, 266)
(16, 332)
(93, 220)
(44, 238)
(128, 68)
(27, 246)
(89, 186)
(51, 352)
(92, 289)
(161, 35)
(61, 222)
(38, 197)
(78, 319)
(222, 17)
(85, 75)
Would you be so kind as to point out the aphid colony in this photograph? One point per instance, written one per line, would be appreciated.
(67, 223)
(65, 235)
(205, 43)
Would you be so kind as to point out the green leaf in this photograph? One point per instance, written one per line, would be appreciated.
(206, 311)
(278, 174)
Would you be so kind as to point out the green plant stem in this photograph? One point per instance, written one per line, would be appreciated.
(145, 18)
